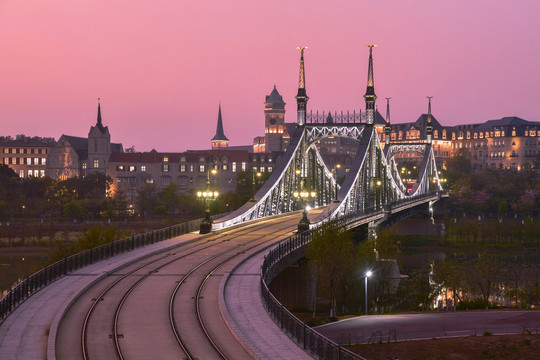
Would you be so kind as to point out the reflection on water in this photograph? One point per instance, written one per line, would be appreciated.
(15, 267)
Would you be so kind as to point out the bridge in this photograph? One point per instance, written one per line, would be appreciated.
(204, 296)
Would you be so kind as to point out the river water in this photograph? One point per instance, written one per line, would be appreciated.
(18, 263)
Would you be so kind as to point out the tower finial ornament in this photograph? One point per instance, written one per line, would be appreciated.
(301, 97)
(429, 127)
(99, 123)
(370, 96)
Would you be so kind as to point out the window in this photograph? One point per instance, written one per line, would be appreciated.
(234, 166)
(262, 169)
(132, 168)
(43, 161)
(143, 167)
(6, 151)
(120, 168)
(225, 167)
(165, 159)
(21, 173)
(243, 166)
(96, 163)
(190, 168)
(182, 180)
(36, 173)
(165, 180)
(165, 168)
(149, 181)
(28, 161)
(36, 161)
(42, 173)
(201, 168)
(269, 169)
(182, 168)
(84, 165)
(30, 173)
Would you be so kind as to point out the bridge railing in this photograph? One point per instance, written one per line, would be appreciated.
(302, 334)
(50, 273)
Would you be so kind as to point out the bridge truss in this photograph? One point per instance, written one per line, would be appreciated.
(372, 186)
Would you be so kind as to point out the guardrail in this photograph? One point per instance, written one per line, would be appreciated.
(52, 272)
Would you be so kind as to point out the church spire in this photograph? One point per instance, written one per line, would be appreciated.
(301, 97)
(387, 128)
(219, 140)
(99, 124)
(370, 96)
(429, 127)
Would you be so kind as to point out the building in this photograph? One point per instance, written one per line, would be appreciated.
(78, 156)
(219, 140)
(26, 156)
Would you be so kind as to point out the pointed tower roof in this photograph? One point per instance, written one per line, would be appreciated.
(99, 124)
(274, 97)
(370, 96)
(220, 135)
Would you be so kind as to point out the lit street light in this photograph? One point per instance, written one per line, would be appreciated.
(207, 196)
(258, 174)
(368, 274)
(303, 225)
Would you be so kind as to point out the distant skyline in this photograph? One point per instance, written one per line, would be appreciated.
(162, 67)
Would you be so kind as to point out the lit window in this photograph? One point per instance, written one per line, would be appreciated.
(120, 168)
(165, 159)
(143, 167)
(182, 168)
(243, 166)
(28, 161)
(201, 168)
(165, 167)
(42, 173)
(149, 181)
(21, 173)
(84, 165)
(96, 163)
(43, 161)
(234, 166)
(225, 167)
(132, 168)
(269, 169)
(36, 173)
(30, 173)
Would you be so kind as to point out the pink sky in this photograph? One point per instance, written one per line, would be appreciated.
(161, 67)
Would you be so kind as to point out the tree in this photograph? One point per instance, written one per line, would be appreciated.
(147, 199)
(74, 210)
(333, 256)
(169, 199)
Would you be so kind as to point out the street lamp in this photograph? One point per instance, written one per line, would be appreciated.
(303, 225)
(207, 196)
(368, 274)
(258, 174)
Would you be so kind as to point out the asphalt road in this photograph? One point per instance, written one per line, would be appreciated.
(375, 328)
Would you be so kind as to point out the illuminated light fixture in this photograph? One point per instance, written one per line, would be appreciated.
(308, 208)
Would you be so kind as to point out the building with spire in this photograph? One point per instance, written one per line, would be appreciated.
(78, 156)
(219, 140)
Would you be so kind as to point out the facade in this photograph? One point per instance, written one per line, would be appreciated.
(507, 143)
(189, 170)
(26, 156)
(78, 156)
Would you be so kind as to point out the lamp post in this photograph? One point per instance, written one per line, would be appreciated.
(368, 274)
(303, 225)
(258, 175)
(207, 196)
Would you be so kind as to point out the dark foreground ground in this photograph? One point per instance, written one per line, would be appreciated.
(509, 347)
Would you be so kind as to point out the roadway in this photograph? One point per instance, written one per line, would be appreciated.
(165, 300)
(420, 326)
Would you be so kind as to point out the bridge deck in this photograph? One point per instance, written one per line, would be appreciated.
(30, 332)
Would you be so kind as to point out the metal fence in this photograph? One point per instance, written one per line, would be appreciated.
(45, 276)
(304, 335)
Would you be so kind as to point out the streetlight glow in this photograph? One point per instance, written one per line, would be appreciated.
(368, 274)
